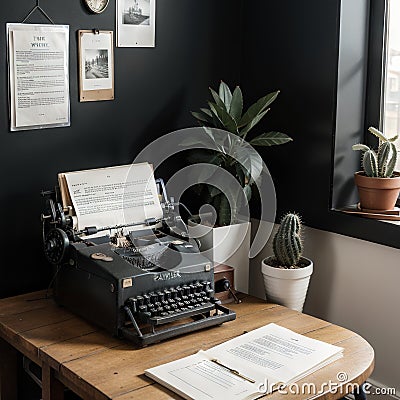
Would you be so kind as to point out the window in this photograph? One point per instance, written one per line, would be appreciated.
(391, 73)
(361, 81)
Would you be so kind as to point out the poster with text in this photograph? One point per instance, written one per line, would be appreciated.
(136, 23)
(38, 76)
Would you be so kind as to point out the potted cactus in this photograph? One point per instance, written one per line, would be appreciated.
(287, 273)
(378, 184)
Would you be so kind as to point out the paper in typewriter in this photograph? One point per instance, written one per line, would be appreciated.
(247, 366)
(113, 196)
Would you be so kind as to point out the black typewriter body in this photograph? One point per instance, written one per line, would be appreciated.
(145, 285)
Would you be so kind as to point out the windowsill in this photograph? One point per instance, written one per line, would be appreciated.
(393, 217)
(392, 222)
(384, 232)
(367, 218)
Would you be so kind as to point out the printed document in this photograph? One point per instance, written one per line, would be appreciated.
(246, 367)
(38, 72)
(107, 197)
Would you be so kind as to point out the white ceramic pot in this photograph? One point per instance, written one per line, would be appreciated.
(287, 287)
(229, 245)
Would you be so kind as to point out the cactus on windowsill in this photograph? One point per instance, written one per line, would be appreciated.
(287, 243)
(379, 164)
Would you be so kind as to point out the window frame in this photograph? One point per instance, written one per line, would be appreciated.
(356, 110)
(374, 99)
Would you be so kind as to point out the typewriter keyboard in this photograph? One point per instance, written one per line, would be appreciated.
(161, 307)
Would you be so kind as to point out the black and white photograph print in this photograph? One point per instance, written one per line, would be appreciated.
(96, 64)
(136, 12)
(136, 23)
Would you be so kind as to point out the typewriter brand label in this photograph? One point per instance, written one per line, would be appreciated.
(127, 282)
(166, 276)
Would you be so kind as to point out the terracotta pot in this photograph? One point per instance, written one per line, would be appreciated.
(377, 193)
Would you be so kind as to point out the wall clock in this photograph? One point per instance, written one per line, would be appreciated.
(96, 6)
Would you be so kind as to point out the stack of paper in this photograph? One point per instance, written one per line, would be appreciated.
(246, 367)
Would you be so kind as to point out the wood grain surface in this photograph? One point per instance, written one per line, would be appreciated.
(97, 366)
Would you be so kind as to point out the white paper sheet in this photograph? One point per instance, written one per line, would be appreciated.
(38, 76)
(196, 377)
(276, 352)
(114, 196)
(245, 367)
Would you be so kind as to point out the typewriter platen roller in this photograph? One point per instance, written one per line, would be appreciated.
(145, 285)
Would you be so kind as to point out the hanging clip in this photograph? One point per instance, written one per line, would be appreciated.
(96, 31)
(37, 7)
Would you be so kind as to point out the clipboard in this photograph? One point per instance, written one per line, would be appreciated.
(96, 65)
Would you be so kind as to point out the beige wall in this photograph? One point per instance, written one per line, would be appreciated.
(355, 284)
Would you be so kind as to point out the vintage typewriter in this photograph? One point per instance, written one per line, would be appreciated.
(144, 280)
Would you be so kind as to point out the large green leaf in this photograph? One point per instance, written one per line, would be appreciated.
(190, 141)
(202, 140)
(204, 156)
(202, 117)
(227, 121)
(243, 133)
(204, 174)
(206, 111)
(215, 159)
(257, 107)
(217, 99)
(249, 159)
(217, 123)
(270, 139)
(225, 95)
(247, 192)
(240, 174)
(215, 143)
(209, 132)
(236, 108)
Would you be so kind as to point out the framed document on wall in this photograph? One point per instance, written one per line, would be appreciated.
(136, 22)
(38, 57)
(96, 65)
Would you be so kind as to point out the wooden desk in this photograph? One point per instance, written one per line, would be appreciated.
(95, 366)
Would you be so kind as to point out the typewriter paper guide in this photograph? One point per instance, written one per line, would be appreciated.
(111, 196)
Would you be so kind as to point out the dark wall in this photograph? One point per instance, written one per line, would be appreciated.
(293, 46)
(197, 44)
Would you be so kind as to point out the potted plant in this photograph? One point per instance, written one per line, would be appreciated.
(378, 184)
(287, 273)
(225, 112)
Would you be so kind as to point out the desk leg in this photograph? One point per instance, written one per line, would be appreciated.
(8, 371)
(52, 388)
